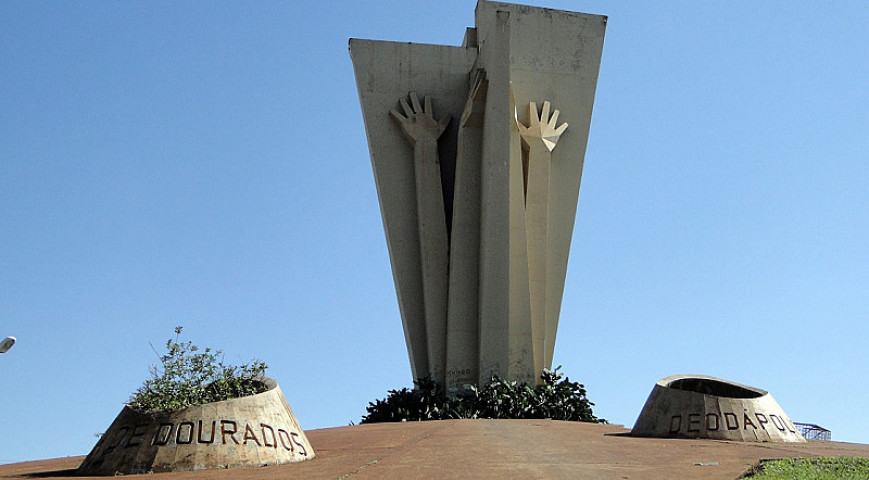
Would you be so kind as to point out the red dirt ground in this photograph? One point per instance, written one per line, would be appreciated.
(465, 449)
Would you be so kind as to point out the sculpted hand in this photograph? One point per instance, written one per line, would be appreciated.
(541, 130)
(418, 123)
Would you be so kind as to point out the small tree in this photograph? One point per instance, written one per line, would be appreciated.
(188, 376)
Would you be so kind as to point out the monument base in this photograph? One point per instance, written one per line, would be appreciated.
(697, 406)
(249, 431)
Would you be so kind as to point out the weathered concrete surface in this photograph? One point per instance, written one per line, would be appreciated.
(479, 222)
(483, 449)
(699, 406)
(385, 73)
(241, 432)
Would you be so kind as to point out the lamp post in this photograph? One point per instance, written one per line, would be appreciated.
(6, 344)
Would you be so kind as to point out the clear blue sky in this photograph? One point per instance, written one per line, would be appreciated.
(204, 164)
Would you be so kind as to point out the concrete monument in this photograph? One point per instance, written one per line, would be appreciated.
(478, 177)
(698, 406)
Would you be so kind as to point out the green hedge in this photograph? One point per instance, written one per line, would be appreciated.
(556, 398)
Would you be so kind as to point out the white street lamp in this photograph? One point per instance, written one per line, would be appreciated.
(6, 344)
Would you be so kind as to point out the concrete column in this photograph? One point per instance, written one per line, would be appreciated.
(537, 215)
(433, 249)
(464, 289)
(495, 207)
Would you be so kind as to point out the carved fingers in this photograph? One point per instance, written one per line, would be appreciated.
(542, 127)
(418, 121)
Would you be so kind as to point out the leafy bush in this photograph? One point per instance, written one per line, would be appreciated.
(555, 398)
(188, 377)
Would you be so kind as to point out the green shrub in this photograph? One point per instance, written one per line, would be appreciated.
(188, 376)
(556, 398)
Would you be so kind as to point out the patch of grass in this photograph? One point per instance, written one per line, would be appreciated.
(819, 468)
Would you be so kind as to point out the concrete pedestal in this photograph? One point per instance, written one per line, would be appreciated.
(697, 406)
(241, 432)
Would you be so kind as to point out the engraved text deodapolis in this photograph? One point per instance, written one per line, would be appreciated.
(693, 423)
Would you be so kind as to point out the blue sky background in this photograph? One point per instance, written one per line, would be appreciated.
(204, 164)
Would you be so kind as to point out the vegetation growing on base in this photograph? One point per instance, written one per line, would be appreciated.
(820, 468)
(187, 377)
(556, 398)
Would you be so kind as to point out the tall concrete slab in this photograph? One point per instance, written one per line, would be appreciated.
(509, 197)
(554, 56)
(385, 73)
(463, 326)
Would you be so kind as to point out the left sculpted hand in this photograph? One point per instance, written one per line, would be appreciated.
(418, 123)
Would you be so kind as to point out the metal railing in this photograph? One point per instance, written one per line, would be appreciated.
(813, 432)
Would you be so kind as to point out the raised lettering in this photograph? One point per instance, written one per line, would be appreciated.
(164, 433)
(709, 425)
(213, 428)
(188, 437)
(693, 419)
(249, 435)
(674, 425)
(731, 426)
(224, 431)
(285, 440)
(295, 436)
(777, 422)
(762, 420)
(747, 421)
(119, 438)
(137, 434)
(274, 443)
